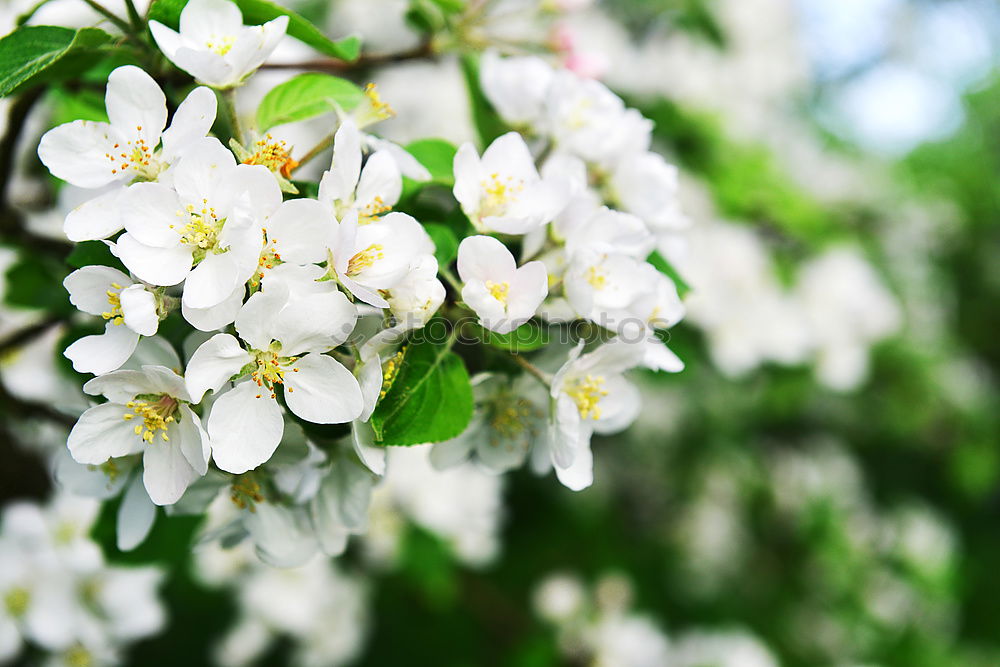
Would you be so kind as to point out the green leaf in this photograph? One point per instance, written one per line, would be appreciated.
(430, 399)
(305, 96)
(256, 12)
(488, 123)
(78, 105)
(667, 269)
(36, 54)
(91, 253)
(445, 242)
(438, 156)
(529, 336)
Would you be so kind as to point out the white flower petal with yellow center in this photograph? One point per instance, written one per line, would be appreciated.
(502, 191)
(611, 290)
(371, 190)
(416, 298)
(590, 395)
(91, 154)
(285, 341)
(503, 295)
(147, 412)
(214, 46)
(367, 258)
(128, 307)
(206, 230)
(645, 185)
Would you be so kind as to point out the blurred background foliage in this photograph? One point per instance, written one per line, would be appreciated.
(838, 528)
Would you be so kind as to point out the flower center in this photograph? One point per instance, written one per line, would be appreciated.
(390, 371)
(16, 601)
(597, 277)
(269, 369)
(499, 194)
(135, 156)
(512, 419)
(372, 109)
(372, 210)
(201, 229)
(221, 45)
(114, 299)
(273, 154)
(587, 393)
(498, 290)
(365, 259)
(78, 656)
(156, 415)
(269, 258)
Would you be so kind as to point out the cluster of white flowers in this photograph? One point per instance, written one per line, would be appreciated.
(323, 611)
(299, 309)
(837, 308)
(58, 594)
(599, 627)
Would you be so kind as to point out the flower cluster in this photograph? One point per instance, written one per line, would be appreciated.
(58, 594)
(299, 302)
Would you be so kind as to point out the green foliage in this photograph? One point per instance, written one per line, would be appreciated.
(305, 96)
(438, 156)
(745, 182)
(90, 253)
(256, 12)
(429, 376)
(445, 242)
(38, 54)
(30, 284)
(667, 269)
(488, 124)
(529, 336)
(78, 105)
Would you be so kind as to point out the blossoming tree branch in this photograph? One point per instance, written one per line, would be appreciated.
(270, 325)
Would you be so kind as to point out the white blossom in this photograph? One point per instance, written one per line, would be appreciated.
(503, 295)
(214, 46)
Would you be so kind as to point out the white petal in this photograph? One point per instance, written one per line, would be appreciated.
(468, 188)
(95, 219)
(121, 386)
(256, 322)
(200, 175)
(136, 105)
(192, 120)
(362, 437)
(212, 281)
(153, 214)
(166, 473)
(168, 40)
(103, 353)
(139, 310)
(580, 474)
(339, 182)
(136, 515)
(203, 20)
(213, 363)
(194, 440)
(157, 266)
(299, 231)
(282, 536)
(380, 183)
(315, 323)
(80, 153)
(485, 258)
(244, 430)
(102, 433)
(319, 389)
(216, 317)
(88, 287)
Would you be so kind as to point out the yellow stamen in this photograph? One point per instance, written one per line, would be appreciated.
(499, 193)
(498, 290)
(156, 417)
(597, 277)
(221, 45)
(587, 393)
(273, 154)
(365, 259)
(114, 299)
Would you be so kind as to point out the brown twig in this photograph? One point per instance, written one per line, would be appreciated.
(423, 51)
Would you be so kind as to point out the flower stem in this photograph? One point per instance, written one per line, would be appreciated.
(325, 143)
(111, 16)
(539, 374)
(229, 102)
(134, 16)
(450, 278)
